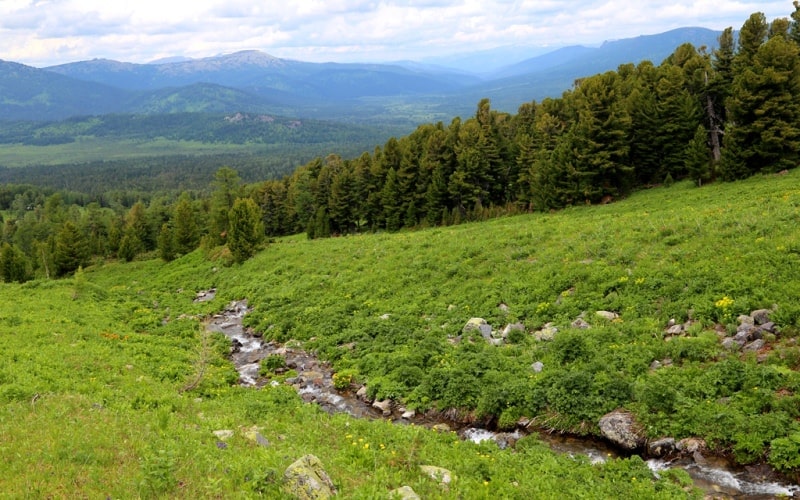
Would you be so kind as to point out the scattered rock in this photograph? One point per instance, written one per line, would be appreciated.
(362, 393)
(306, 479)
(480, 325)
(403, 493)
(690, 445)
(386, 316)
(661, 447)
(441, 427)
(607, 315)
(409, 414)
(254, 434)
(496, 342)
(205, 295)
(761, 316)
(384, 406)
(621, 428)
(754, 345)
(655, 365)
(731, 344)
(443, 476)
(514, 327)
(580, 323)
(547, 332)
(675, 330)
(503, 307)
(224, 434)
(537, 367)
(744, 319)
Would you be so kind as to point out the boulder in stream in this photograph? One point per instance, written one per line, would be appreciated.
(306, 479)
(621, 428)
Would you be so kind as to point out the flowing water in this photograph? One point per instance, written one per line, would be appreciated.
(314, 383)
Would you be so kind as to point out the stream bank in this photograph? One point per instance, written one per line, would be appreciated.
(314, 382)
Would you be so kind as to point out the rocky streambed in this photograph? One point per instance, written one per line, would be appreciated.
(314, 383)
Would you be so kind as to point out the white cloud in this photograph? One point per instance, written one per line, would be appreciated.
(43, 32)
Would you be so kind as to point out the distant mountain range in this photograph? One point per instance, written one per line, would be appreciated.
(253, 81)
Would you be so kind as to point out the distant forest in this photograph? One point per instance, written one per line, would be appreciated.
(724, 115)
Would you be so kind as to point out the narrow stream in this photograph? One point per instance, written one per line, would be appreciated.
(314, 383)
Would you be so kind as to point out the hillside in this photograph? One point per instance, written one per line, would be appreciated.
(124, 390)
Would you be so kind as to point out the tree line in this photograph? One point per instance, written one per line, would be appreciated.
(725, 114)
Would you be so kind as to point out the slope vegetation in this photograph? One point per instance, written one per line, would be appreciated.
(124, 390)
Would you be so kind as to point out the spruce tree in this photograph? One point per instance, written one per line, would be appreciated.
(698, 157)
(246, 231)
(71, 249)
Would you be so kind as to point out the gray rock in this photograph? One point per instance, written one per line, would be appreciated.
(511, 328)
(362, 393)
(754, 345)
(731, 344)
(768, 327)
(621, 428)
(503, 307)
(306, 479)
(744, 319)
(655, 365)
(439, 474)
(384, 406)
(224, 434)
(580, 323)
(661, 447)
(546, 333)
(675, 330)
(409, 414)
(690, 445)
(761, 316)
(403, 493)
(496, 342)
(537, 366)
(441, 427)
(741, 338)
(607, 315)
(480, 325)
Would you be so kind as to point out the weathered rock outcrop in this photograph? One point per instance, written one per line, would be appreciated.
(306, 479)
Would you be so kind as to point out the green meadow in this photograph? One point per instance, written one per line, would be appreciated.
(110, 386)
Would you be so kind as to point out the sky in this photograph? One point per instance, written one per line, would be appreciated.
(48, 32)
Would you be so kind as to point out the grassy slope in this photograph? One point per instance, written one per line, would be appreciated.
(109, 418)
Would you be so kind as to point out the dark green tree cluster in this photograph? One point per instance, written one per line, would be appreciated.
(727, 114)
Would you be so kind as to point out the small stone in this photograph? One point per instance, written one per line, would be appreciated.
(224, 434)
(385, 316)
(480, 325)
(537, 366)
(661, 447)
(546, 333)
(384, 406)
(690, 445)
(403, 493)
(503, 307)
(362, 393)
(761, 316)
(607, 315)
(306, 478)
(754, 345)
(221, 445)
(675, 330)
(580, 323)
(731, 344)
(744, 319)
(443, 476)
(409, 414)
(655, 365)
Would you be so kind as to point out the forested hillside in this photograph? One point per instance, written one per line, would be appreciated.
(726, 115)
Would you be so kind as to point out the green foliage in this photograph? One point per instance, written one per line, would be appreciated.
(246, 231)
